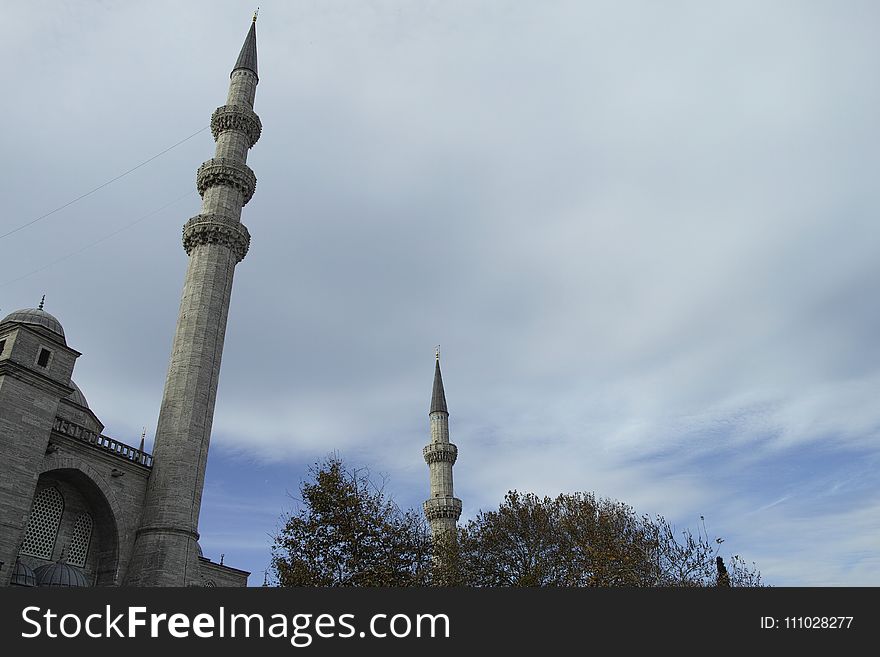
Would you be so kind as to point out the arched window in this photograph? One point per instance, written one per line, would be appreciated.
(42, 529)
(79, 540)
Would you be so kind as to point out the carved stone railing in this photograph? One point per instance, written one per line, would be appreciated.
(442, 507)
(216, 229)
(440, 452)
(236, 117)
(111, 445)
(229, 172)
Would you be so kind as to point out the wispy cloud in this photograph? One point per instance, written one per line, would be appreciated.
(649, 251)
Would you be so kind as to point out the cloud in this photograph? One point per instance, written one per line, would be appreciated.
(643, 235)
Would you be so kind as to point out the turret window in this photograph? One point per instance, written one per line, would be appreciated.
(2, 346)
(79, 540)
(43, 357)
(42, 529)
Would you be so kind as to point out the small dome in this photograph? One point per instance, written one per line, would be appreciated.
(22, 575)
(60, 574)
(77, 396)
(35, 317)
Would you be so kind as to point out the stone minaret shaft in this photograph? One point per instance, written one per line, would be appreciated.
(166, 549)
(442, 509)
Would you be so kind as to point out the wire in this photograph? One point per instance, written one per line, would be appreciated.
(101, 186)
(96, 242)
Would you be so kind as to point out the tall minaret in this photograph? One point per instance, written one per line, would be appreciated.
(166, 549)
(441, 509)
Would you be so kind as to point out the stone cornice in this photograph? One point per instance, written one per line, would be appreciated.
(22, 373)
(205, 561)
(168, 529)
(6, 328)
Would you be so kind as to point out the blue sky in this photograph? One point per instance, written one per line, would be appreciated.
(644, 233)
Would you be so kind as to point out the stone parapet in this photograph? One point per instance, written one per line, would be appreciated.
(442, 507)
(224, 171)
(103, 443)
(440, 453)
(236, 117)
(216, 229)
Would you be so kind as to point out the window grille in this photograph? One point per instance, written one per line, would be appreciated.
(79, 540)
(42, 529)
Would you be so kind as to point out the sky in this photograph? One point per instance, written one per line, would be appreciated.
(644, 234)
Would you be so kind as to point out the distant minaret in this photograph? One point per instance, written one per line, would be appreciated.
(166, 549)
(441, 509)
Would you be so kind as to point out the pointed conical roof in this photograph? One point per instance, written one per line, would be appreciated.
(438, 396)
(247, 58)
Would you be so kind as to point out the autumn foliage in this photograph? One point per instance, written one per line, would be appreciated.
(580, 540)
(348, 533)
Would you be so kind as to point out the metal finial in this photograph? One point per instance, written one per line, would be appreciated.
(255, 14)
(143, 437)
(437, 352)
(42, 301)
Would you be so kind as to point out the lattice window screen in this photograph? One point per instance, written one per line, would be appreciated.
(42, 529)
(79, 540)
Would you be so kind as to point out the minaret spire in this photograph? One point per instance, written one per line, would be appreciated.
(442, 508)
(166, 548)
(247, 58)
(438, 395)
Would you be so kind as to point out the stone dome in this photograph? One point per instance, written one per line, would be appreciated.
(60, 574)
(77, 396)
(35, 317)
(22, 575)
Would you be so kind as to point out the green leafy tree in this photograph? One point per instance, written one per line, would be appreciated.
(346, 532)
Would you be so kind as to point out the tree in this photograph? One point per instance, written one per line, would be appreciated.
(580, 540)
(513, 546)
(348, 533)
(723, 577)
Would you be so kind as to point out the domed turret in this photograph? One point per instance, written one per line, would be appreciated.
(36, 317)
(60, 574)
(22, 575)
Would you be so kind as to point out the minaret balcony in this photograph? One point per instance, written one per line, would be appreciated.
(440, 453)
(228, 172)
(216, 229)
(442, 507)
(236, 117)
